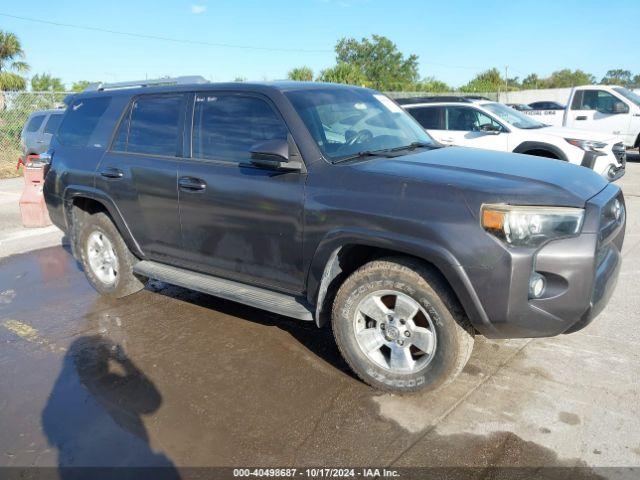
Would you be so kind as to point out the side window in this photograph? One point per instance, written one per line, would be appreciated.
(81, 119)
(225, 127)
(598, 100)
(53, 123)
(34, 123)
(431, 118)
(467, 119)
(151, 126)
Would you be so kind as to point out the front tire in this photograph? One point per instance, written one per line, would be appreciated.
(106, 259)
(399, 327)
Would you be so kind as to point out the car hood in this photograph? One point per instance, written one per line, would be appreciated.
(574, 133)
(486, 176)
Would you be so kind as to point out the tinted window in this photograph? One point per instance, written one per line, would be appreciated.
(81, 119)
(428, 117)
(151, 126)
(52, 124)
(598, 100)
(34, 123)
(227, 126)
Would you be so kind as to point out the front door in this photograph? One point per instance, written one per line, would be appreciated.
(464, 127)
(139, 172)
(593, 110)
(240, 221)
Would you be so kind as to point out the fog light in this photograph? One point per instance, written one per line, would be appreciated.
(536, 285)
(611, 173)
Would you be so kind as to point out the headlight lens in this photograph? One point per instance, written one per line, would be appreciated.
(531, 226)
(586, 145)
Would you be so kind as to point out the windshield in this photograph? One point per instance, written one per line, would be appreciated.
(629, 95)
(348, 121)
(513, 117)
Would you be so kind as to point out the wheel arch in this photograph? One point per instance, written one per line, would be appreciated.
(340, 255)
(526, 147)
(80, 201)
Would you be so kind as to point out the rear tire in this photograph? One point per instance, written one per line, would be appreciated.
(390, 347)
(106, 259)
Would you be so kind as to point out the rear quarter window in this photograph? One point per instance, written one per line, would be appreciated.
(34, 123)
(53, 123)
(80, 121)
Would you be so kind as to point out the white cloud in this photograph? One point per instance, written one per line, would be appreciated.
(198, 9)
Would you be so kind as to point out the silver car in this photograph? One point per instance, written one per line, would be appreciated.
(38, 130)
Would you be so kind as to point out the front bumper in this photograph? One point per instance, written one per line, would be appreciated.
(580, 274)
(609, 165)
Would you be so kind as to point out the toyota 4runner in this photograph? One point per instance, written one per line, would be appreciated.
(331, 204)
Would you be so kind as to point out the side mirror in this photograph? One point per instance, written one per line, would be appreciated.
(490, 129)
(274, 154)
(620, 107)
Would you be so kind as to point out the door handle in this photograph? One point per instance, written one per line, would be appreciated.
(39, 141)
(581, 117)
(191, 184)
(111, 172)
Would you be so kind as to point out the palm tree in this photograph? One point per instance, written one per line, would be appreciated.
(11, 63)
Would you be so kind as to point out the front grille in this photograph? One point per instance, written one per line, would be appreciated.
(620, 153)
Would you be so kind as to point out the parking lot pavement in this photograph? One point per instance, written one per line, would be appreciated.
(176, 378)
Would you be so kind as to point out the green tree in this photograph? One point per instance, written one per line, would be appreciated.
(343, 73)
(379, 61)
(300, 74)
(432, 85)
(240, 79)
(80, 85)
(487, 81)
(46, 83)
(566, 78)
(618, 77)
(12, 63)
(636, 81)
(532, 82)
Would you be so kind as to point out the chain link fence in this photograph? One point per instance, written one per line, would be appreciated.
(15, 108)
(488, 95)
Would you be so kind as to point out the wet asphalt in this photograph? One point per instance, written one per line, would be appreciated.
(174, 378)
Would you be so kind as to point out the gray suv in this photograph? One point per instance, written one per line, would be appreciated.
(330, 204)
(38, 130)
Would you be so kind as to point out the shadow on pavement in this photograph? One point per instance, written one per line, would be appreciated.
(94, 414)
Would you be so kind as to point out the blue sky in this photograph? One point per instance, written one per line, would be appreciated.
(454, 39)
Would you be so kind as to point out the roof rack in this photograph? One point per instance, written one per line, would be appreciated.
(442, 98)
(98, 87)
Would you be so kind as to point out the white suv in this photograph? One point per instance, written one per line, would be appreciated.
(494, 126)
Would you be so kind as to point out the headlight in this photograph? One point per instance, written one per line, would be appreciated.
(586, 145)
(531, 226)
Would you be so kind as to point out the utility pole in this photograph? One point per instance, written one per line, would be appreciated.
(506, 83)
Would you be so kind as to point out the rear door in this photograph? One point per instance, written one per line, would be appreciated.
(592, 109)
(464, 128)
(432, 119)
(139, 172)
(238, 220)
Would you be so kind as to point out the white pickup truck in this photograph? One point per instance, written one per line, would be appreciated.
(607, 109)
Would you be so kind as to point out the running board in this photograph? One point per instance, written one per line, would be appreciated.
(275, 302)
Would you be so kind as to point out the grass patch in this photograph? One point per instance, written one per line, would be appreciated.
(8, 161)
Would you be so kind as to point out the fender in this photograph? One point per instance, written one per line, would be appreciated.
(527, 146)
(73, 192)
(325, 267)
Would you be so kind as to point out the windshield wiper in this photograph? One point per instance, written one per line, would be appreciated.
(411, 146)
(384, 151)
(363, 154)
